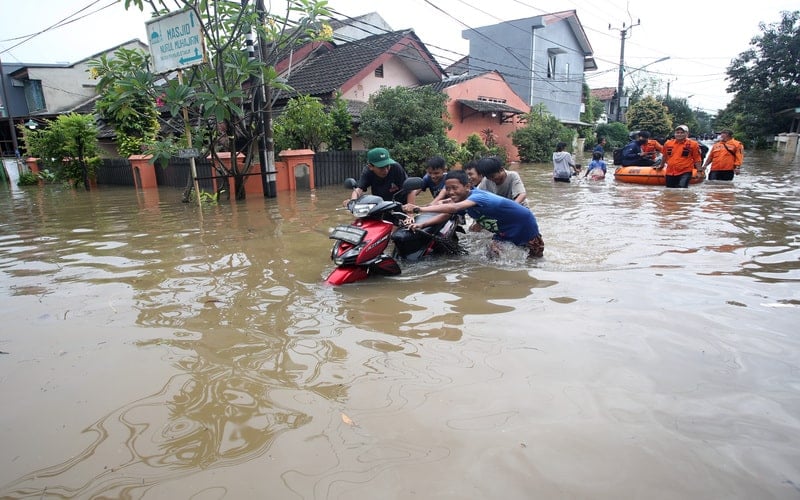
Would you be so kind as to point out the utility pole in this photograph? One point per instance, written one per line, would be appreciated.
(668, 83)
(266, 152)
(623, 32)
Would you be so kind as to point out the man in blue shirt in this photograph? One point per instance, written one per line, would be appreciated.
(433, 180)
(508, 220)
(632, 154)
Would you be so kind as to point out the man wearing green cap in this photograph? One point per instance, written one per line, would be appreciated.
(383, 176)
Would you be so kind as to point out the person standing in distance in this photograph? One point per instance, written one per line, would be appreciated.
(564, 166)
(600, 147)
(725, 157)
(681, 155)
(383, 176)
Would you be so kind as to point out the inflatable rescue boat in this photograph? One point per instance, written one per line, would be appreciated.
(650, 175)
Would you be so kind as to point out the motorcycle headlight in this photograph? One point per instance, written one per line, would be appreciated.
(362, 209)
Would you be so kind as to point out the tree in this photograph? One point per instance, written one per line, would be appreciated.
(703, 123)
(616, 134)
(340, 139)
(765, 79)
(649, 114)
(222, 98)
(680, 113)
(409, 123)
(473, 148)
(128, 101)
(593, 108)
(304, 124)
(537, 140)
(68, 146)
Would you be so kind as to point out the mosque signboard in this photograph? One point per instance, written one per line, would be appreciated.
(176, 41)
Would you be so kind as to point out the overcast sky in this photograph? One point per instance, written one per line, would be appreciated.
(699, 38)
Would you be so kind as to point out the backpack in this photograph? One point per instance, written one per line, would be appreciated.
(618, 156)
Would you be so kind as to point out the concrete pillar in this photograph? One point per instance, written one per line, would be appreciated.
(144, 172)
(298, 169)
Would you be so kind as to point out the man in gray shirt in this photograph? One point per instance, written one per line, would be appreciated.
(500, 181)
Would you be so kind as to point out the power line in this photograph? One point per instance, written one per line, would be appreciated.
(59, 24)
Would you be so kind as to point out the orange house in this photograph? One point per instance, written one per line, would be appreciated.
(481, 103)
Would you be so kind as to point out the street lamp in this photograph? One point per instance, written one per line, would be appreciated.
(620, 98)
(648, 64)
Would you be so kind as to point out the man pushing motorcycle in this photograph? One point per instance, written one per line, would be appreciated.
(508, 220)
(384, 177)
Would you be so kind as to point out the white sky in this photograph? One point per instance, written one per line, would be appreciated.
(700, 38)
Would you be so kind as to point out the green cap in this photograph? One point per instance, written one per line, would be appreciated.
(379, 157)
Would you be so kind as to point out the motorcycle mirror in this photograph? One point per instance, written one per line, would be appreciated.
(350, 183)
(413, 183)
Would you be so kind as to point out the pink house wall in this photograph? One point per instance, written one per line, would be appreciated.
(395, 74)
(492, 86)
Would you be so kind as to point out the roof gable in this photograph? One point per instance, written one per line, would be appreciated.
(339, 68)
(604, 93)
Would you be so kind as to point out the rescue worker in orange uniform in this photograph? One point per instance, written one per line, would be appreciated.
(725, 157)
(652, 148)
(681, 155)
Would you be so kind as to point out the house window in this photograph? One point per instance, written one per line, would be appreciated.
(551, 61)
(379, 71)
(34, 95)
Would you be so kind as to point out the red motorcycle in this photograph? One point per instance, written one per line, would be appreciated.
(360, 248)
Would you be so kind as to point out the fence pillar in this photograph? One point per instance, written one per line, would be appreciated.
(144, 172)
(299, 168)
(252, 182)
(33, 165)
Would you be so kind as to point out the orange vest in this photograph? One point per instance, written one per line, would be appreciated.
(681, 157)
(726, 155)
(652, 145)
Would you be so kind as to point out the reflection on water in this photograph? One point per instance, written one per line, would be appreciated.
(252, 376)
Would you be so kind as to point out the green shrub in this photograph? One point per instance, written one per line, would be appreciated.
(28, 179)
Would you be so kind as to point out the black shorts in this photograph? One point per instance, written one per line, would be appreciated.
(720, 175)
(678, 181)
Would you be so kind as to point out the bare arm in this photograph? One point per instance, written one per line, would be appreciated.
(519, 188)
(439, 197)
(357, 192)
(436, 219)
(446, 208)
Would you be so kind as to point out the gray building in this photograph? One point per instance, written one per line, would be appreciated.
(542, 58)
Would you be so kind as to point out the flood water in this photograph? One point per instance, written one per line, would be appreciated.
(151, 349)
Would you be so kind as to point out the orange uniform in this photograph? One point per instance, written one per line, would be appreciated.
(652, 146)
(726, 155)
(681, 156)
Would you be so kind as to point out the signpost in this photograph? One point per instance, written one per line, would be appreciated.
(176, 42)
(188, 153)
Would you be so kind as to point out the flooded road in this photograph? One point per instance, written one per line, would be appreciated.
(151, 349)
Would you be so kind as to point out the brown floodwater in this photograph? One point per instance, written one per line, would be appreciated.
(153, 349)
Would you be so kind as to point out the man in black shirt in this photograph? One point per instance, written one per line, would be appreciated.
(383, 176)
